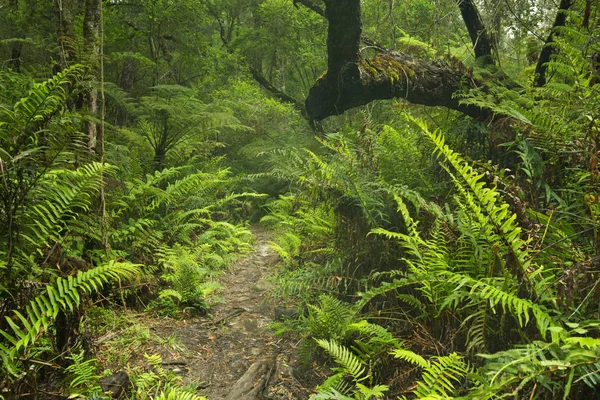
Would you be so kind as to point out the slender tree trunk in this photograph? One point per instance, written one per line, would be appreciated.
(91, 24)
(15, 56)
(548, 50)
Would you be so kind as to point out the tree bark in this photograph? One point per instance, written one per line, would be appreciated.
(542, 65)
(65, 32)
(388, 76)
(351, 81)
(483, 45)
(91, 24)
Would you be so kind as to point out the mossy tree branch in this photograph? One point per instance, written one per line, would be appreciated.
(351, 81)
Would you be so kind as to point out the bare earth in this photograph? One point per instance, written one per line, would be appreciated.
(220, 348)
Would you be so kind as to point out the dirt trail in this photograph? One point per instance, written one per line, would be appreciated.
(219, 349)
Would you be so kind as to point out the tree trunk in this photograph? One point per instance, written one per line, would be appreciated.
(65, 32)
(546, 53)
(91, 37)
(480, 37)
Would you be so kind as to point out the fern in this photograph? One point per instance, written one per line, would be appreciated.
(376, 334)
(178, 394)
(351, 365)
(38, 138)
(561, 366)
(492, 209)
(441, 376)
(83, 372)
(161, 384)
(410, 357)
(63, 294)
(63, 194)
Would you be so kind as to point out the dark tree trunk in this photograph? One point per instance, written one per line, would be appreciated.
(483, 44)
(127, 77)
(158, 162)
(343, 36)
(542, 67)
(15, 56)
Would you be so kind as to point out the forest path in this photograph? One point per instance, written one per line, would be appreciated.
(218, 350)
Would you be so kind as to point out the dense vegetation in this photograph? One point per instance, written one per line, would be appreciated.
(435, 200)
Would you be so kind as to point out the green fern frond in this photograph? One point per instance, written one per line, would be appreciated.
(83, 372)
(411, 357)
(330, 394)
(441, 376)
(350, 364)
(60, 195)
(376, 333)
(62, 294)
(490, 209)
(178, 394)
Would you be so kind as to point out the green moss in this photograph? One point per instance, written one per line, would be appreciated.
(387, 66)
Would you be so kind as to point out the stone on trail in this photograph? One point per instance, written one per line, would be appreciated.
(254, 383)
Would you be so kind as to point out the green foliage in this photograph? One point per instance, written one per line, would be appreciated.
(83, 373)
(38, 143)
(62, 295)
(158, 383)
(179, 205)
(441, 376)
(348, 364)
(189, 279)
(174, 121)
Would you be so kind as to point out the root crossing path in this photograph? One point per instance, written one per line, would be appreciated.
(233, 354)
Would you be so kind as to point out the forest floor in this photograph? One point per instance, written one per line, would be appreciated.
(214, 351)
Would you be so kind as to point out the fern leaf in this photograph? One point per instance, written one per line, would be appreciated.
(349, 363)
(48, 304)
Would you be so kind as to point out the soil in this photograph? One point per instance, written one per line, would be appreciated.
(219, 348)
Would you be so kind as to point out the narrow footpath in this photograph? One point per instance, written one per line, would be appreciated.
(232, 354)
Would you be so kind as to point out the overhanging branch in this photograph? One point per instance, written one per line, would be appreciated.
(351, 81)
(311, 5)
(388, 76)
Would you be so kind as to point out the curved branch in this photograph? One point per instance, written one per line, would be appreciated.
(351, 81)
(309, 4)
(388, 76)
